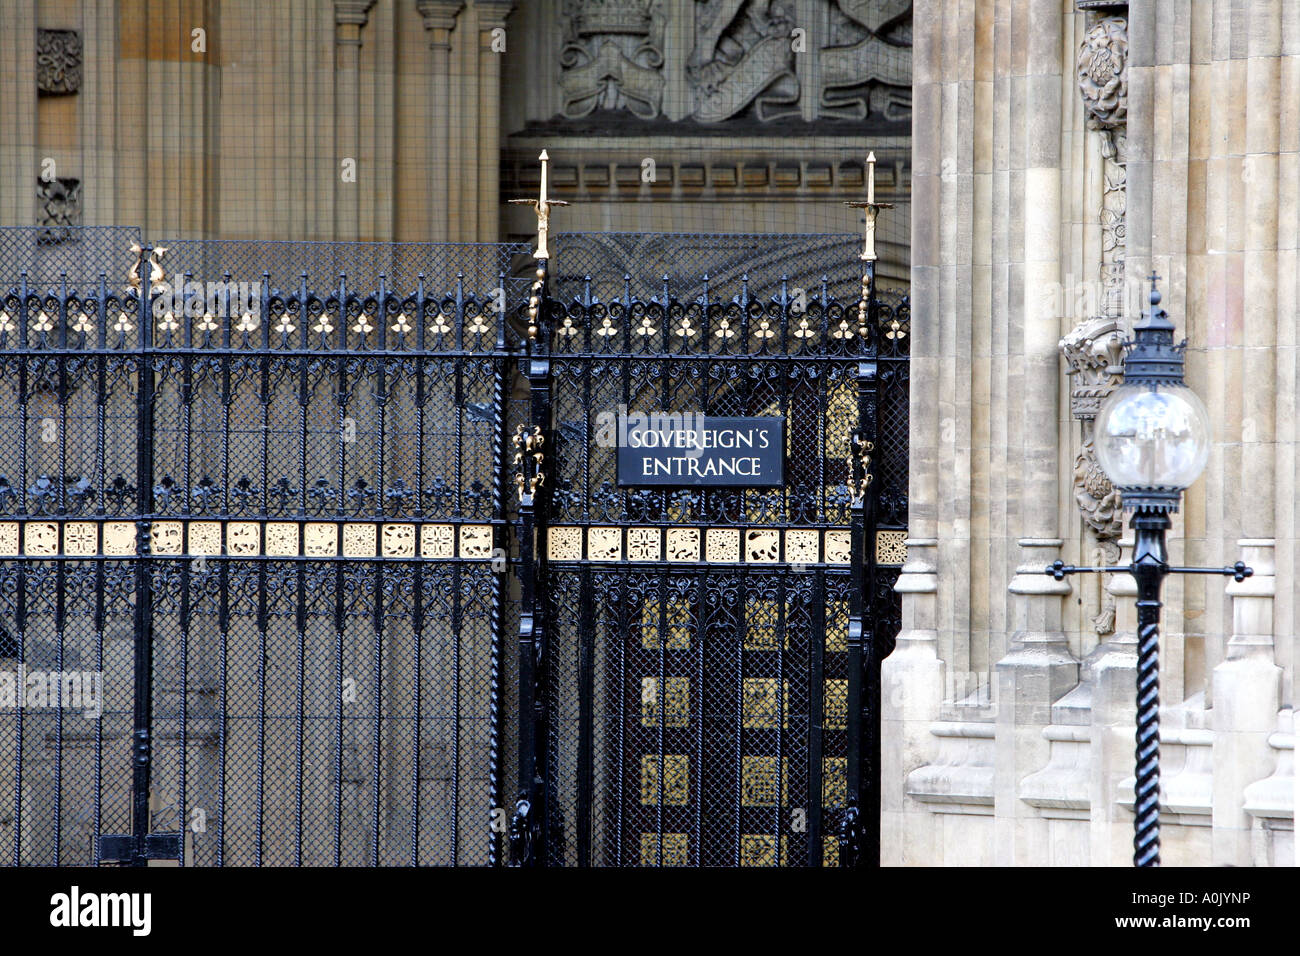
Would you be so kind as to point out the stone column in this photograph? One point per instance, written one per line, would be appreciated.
(912, 676)
(491, 16)
(1038, 668)
(349, 17)
(439, 21)
(1247, 696)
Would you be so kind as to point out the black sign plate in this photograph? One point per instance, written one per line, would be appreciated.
(683, 448)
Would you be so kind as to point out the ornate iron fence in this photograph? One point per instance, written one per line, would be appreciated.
(268, 484)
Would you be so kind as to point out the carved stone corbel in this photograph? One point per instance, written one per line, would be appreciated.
(1093, 349)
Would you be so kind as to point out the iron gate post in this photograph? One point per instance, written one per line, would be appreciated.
(531, 822)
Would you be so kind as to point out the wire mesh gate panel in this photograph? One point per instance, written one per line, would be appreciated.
(272, 485)
(699, 701)
(284, 503)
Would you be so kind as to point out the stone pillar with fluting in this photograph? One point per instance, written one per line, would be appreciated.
(1038, 667)
(350, 17)
(439, 21)
(912, 676)
(492, 16)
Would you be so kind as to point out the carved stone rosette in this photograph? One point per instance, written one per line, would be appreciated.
(1093, 349)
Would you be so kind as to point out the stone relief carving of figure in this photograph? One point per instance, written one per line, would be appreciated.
(867, 67)
(743, 55)
(612, 57)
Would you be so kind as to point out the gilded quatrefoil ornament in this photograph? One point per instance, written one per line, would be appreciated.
(859, 459)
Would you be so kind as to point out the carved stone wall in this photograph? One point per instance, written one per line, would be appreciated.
(58, 61)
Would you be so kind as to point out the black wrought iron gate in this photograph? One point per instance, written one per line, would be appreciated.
(272, 538)
(702, 664)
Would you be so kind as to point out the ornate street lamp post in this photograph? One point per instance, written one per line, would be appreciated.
(1152, 440)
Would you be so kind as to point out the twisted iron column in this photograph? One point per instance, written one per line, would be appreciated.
(1149, 568)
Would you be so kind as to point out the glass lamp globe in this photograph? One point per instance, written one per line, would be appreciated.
(1149, 437)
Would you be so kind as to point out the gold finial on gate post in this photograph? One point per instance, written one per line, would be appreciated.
(871, 208)
(868, 256)
(542, 204)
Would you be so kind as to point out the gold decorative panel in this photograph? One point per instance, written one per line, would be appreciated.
(320, 539)
(80, 538)
(803, 546)
(830, 851)
(891, 547)
(760, 706)
(683, 544)
(243, 539)
(722, 545)
(205, 538)
(476, 541)
(119, 537)
(759, 785)
(604, 544)
(643, 544)
(763, 545)
(676, 849)
(437, 541)
(8, 538)
(835, 777)
(358, 540)
(564, 544)
(676, 784)
(837, 704)
(759, 849)
(167, 538)
(398, 540)
(281, 539)
(763, 630)
(678, 621)
(839, 546)
(837, 626)
(40, 538)
(676, 701)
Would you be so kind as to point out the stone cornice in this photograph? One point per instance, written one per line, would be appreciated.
(493, 13)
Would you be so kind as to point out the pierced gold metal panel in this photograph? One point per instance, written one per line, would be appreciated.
(759, 785)
(763, 545)
(643, 544)
(676, 784)
(564, 544)
(759, 849)
(320, 539)
(604, 544)
(119, 537)
(683, 544)
(358, 540)
(676, 849)
(676, 700)
(40, 538)
(398, 540)
(8, 539)
(891, 547)
(204, 538)
(243, 539)
(437, 541)
(762, 705)
(167, 538)
(836, 704)
(80, 538)
(476, 541)
(839, 546)
(803, 546)
(282, 539)
(722, 545)
(835, 790)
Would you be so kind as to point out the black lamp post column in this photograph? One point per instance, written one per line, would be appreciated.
(1149, 568)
